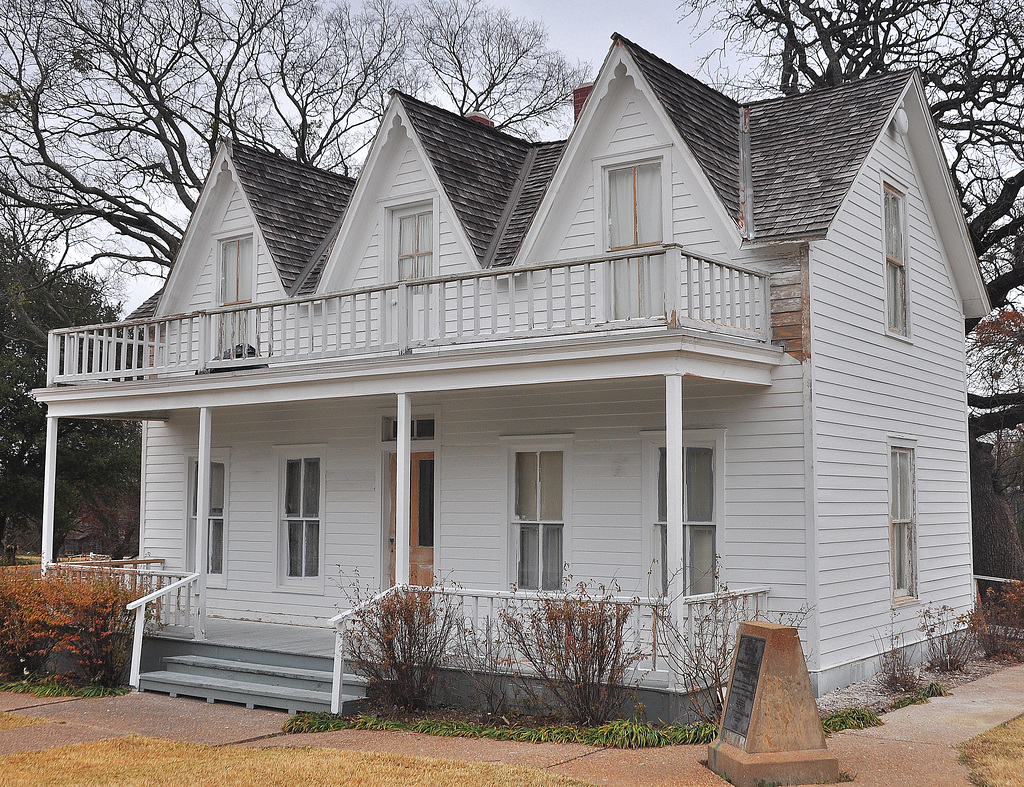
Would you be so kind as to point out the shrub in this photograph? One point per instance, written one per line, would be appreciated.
(897, 669)
(577, 646)
(951, 639)
(401, 643)
(25, 637)
(486, 659)
(998, 621)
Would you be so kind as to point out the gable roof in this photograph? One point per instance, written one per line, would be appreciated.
(806, 150)
(536, 177)
(478, 167)
(707, 120)
(147, 308)
(296, 206)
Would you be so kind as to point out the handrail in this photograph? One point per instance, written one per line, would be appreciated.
(139, 607)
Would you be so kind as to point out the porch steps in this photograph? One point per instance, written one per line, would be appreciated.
(251, 677)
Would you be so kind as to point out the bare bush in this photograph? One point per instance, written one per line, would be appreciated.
(485, 657)
(951, 640)
(896, 660)
(577, 645)
(998, 621)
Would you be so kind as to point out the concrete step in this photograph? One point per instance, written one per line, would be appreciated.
(272, 674)
(246, 692)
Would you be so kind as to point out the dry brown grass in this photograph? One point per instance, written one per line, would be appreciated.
(995, 757)
(136, 761)
(10, 721)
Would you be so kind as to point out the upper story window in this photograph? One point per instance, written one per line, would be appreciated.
(236, 272)
(895, 261)
(634, 206)
(415, 244)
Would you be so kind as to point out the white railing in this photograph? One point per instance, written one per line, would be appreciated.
(660, 286)
(480, 613)
(173, 608)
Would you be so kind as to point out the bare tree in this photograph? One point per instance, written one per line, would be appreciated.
(971, 59)
(482, 59)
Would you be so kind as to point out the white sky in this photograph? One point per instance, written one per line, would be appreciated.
(582, 30)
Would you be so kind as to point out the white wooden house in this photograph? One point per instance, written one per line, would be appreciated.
(696, 345)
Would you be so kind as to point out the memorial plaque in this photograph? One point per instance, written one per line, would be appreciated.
(743, 687)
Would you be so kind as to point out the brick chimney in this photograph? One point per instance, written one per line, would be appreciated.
(579, 98)
(480, 117)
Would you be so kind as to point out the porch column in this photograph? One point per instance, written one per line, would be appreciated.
(49, 488)
(402, 491)
(674, 493)
(203, 511)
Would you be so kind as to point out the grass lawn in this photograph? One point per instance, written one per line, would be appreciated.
(995, 757)
(10, 721)
(136, 761)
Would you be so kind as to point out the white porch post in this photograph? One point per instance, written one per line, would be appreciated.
(402, 461)
(49, 488)
(674, 495)
(203, 512)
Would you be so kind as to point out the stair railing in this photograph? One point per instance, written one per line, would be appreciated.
(139, 608)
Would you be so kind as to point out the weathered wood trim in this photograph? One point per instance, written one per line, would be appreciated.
(790, 303)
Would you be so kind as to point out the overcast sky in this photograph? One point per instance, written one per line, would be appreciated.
(582, 30)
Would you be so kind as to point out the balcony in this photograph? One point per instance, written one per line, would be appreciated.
(662, 288)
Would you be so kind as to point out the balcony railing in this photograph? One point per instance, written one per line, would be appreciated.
(663, 286)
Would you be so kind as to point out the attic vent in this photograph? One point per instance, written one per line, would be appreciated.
(480, 117)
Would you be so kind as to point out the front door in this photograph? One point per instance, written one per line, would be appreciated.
(421, 519)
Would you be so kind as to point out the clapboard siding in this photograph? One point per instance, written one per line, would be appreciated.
(868, 386)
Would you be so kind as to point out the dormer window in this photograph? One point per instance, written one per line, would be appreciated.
(415, 244)
(634, 206)
(236, 271)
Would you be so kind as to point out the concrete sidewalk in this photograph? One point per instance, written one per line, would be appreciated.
(915, 747)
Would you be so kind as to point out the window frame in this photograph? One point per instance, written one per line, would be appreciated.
(303, 584)
(653, 442)
(221, 243)
(514, 445)
(891, 263)
(634, 166)
(911, 593)
(394, 211)
(602, 165)
(217, 456)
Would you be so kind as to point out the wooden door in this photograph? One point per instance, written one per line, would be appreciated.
(421, 519)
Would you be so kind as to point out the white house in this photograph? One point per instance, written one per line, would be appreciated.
(696, 345)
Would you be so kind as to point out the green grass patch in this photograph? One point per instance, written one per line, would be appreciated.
(620, 734)
(49, 688)
(849, 719)
(921, 696)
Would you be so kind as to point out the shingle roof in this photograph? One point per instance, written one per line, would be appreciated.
(806, 150)
(708, 121)
(147, 308)
(296, 205)
(477, 166)
(537, 174)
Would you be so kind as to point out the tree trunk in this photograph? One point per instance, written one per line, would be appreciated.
(997, 547)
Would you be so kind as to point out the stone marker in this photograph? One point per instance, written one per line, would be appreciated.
(770, 731)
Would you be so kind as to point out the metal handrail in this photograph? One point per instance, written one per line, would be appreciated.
(139, 607)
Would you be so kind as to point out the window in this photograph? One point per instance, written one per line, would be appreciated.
(539, 519)
(215, 522)
(419, 429)
(895, 262)
(698, 520)
(634, 206)
(903, 524)
(415, 245)
(302, 516)
(236, 271)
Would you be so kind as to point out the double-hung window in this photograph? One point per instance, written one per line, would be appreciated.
(415, 244)
(903, 522)
(538, 519)
(236, 271)
(895, 261)
(634, 206)
(698, 520)
(215, 518)
(302, 519)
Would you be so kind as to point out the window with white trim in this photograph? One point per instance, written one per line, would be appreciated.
(698, 520)
(236, 275)
(902, 522)
(301, 518)
(415, 244)
(538, 519)
(895, 261)
(215, 534)
(635, 206)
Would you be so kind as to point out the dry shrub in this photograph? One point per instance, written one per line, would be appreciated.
(401, 644)
(577, 645)
(998, 621)
(25, 638)
(896, 658)
(951, 640)
(485, 657)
